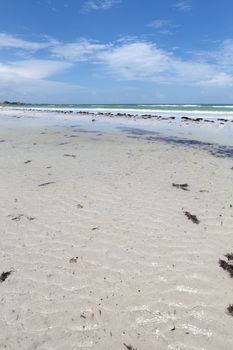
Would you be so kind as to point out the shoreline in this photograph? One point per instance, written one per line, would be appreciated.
(215, 131)
(146, 114)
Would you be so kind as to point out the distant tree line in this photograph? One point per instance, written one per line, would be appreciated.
(12, 103)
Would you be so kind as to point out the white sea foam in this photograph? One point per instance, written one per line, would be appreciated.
(170, 105)
(219, 106)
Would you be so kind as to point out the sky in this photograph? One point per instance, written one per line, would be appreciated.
(116, 51)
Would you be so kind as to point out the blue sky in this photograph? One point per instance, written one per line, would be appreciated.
(116, 51)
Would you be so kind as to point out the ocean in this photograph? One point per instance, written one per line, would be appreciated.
(195, 108)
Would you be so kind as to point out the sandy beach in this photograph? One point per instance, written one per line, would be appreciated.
(104, 249)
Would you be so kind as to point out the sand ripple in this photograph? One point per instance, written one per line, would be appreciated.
(142, 273)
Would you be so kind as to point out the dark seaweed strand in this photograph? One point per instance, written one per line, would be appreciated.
(226, 266)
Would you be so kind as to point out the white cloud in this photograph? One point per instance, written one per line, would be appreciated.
(32, 69)
(96, 5)
(132, 59)
(129, 59)
(80, 50)
(184, 5)
(8, 41)
(136, 60)
(222, 55)
(159, 23)
(146, 62)
(39, 91)
(225, 54)
(220, 80)
(163, 26)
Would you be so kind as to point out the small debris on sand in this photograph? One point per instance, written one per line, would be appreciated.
(192, 217)
(4, 276)
(229, 256)
(63, 143)
(230, 309)
(226, 266)
(129, 347)
(74, 260)
(30, 218)
(70, 155)
(79, 206)
(181, 186)
(46, 183)
(27, 162)
(18, 217)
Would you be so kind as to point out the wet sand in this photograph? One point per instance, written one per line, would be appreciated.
(99, 236)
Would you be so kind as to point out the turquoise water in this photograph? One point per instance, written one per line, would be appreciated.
(158, 107)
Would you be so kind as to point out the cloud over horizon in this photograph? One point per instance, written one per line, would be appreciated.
(32, 69)
(129, 59)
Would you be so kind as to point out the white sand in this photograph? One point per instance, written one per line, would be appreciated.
(145, 275)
